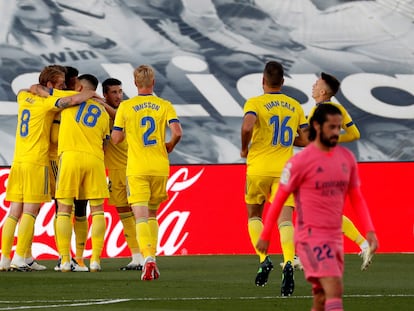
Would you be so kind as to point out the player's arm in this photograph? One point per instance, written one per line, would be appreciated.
(105, 142)
(76, 99)
(40, 90)
(350, 130)
(361, 208)
(246, 132)
(302, 137)
(54, 131)
(176, 134)
(117, 135)
(271, 220)
(350, 133)
(110, 110)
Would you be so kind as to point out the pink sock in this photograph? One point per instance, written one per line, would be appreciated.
(334, 304)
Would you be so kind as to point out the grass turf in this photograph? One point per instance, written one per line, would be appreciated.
(204, 283)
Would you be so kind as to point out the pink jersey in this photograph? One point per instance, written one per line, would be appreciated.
(320, 182)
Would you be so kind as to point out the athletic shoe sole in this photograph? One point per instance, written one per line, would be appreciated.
(288, 281)
(131, 267)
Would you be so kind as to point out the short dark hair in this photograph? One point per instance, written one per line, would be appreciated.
(92, 80)
(319, 116)
(273, 74)
(71, 77)
(331, 81)
(109, 82)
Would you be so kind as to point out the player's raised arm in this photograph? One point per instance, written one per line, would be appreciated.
(350, 133)
(76, 99)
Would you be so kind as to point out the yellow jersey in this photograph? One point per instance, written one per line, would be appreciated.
(84, 128)
(35, 116)
(144, 118)
(116, 155)
(351, 130)
(54, 132)
(278, 119)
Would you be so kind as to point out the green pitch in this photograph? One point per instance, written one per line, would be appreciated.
(204, 283)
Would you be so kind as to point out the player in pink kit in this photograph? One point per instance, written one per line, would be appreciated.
(320, 177)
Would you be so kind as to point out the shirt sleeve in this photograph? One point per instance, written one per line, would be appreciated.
(171, 114)
(249, 107)
(303, 122)
(354, 180)
(351, 130)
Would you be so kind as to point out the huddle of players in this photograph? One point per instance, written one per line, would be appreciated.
(28, 183)
(81, 137)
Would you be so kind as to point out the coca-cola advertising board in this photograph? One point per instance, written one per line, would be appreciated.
(206, 213)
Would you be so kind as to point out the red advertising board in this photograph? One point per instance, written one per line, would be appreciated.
(206, 214)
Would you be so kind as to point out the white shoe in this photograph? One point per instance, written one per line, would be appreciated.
(19, 264)
(366, 256)
(5, 263)
(36, 267)
(57, 267)
(138, 259)
(132, 266)
(297, 264)
(79, 266)
(66, 267)
(95, 267)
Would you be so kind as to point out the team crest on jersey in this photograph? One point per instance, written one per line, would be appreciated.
(284, 178)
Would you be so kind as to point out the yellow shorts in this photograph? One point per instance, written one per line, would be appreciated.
(53, 170)
(151, 189)
(117, 187)
(81, 176)
(260, 189)
(28, 183)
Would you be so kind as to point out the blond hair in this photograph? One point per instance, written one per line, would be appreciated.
(144, 76)
(51, 74)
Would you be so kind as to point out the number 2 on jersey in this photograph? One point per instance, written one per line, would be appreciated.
(148, 121)
(282, 133)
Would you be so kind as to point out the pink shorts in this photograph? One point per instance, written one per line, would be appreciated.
(321, 253)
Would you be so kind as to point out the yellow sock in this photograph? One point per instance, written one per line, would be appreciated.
(55, 230)
(287, 232)
(153, 225)
(128, 221)
(255, 227)
(7, 236)
(80, 227)
(98, 235)
(144, 237)
(350, 231)
(28, 252)
(25, 233)
(63, 235)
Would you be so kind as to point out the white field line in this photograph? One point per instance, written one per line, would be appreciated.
(78, 303)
